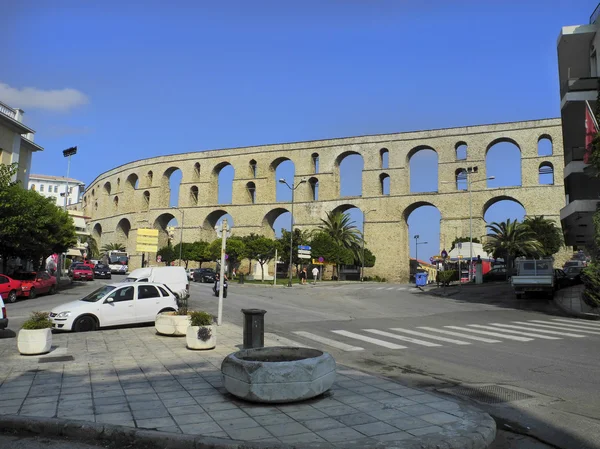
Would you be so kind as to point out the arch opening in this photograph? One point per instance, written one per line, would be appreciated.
(460, 177)
(97, 233)
(171, 185)
(423, 220)
(149, 178)
(544, 147)
(275, 221)
(122, 231)
(350, 167)
(251, 189)
(461, 151)
(283, 168)
(163, 222)
(423, 168)
(384, 183)
(225, 174)
(315, 162)
(107, 188)
(132, 181)
(194, 195)
(503, 162)
(116, 202)
(215, 218)
(197, 170)
(253, 171)
(314, 188)
(384, 158)
(146, 202)
(546, 173)
(501, 208)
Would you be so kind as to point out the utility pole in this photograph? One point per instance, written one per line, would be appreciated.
(293, 189)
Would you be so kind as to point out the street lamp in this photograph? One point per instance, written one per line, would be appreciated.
(362, 270)
(293, 189)
(467, 173)
(68, 153)
(180, 232)
(417, 237)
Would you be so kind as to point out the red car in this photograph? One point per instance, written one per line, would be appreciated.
(82, 272)
(9, 288)
(33, 283)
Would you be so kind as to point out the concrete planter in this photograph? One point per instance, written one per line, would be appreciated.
(167, 323)
(278, 374)
(193, 342)
(34, 341)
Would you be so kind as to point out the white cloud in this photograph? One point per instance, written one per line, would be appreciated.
(33, 98)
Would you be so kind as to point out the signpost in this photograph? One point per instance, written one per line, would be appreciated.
(304, 252)
(223, 231)
(146, 241)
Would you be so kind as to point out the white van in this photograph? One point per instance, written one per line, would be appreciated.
(173, 277)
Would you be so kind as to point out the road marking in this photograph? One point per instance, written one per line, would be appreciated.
(329, 341)
(564, 334)
(560, 327)
(375, 341)
(403, 338)
(491, 334)
(401, 289)
(390, 288)
(580, 322)
(380, 288)
(526, 334)
(433, 337)
(457, 334)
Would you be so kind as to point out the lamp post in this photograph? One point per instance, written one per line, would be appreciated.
(362, 270)
(417, 237)
(180, 232)
(467, 174)
(68, 153)
(293, 189)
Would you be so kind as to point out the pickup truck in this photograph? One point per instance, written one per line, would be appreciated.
(533, 275)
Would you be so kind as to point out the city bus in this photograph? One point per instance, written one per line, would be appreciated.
(118, 262)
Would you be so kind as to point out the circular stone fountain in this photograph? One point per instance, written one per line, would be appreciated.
(278, 374)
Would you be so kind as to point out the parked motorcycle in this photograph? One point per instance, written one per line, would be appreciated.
(217, 286)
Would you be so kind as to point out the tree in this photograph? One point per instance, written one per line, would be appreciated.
(325, 246)
(458, 240)
(547, 233)
(263, 250)
(187, 252)
(111, 247)
(369, 259)
(167, 254)
(248, 239)
(235, 250)
(342, 230)
(6, 174)
(299, 238)
(200, 252)
(92, 248)
(510, 239)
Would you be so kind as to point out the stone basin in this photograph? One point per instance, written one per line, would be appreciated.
(278, 374)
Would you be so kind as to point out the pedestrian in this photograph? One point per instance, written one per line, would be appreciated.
(233, 273)
(315, 273)
(303, 276)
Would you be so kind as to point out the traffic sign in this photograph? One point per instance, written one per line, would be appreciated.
(304, 247)
(444, 254)
(147, 240)
(303, 251)
(321, 259)
(304, 256)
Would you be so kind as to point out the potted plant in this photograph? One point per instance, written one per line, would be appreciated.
(173, 323)
(201, 334)
(36, 335)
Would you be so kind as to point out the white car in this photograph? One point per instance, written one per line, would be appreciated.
(114, 305)
(3, 317)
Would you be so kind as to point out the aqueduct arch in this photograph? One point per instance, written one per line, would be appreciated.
(385, 158)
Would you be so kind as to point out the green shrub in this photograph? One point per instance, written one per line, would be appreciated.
(591, 279)
(201, 319)
(37, 320)
(68, 263)
(445, 277)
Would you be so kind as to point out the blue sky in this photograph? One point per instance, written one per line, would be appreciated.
(129, 80)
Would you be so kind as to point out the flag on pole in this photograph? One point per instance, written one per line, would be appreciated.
(591, 129)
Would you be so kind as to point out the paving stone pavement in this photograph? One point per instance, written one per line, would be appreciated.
(134, 377)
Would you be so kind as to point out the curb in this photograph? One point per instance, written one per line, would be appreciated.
(569, 312)
(482, 438)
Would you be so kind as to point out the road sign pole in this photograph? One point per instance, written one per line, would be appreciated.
(222, 270)
(275, 269)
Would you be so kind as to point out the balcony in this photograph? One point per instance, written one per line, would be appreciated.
(7, 110)
(579, 89)
(577, 221)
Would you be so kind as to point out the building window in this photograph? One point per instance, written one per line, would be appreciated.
(55, 189)
(69, 200)
(41, 187)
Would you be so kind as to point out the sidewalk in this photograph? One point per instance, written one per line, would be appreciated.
(138, 379)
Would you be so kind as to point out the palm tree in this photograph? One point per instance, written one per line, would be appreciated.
(342, 230)
(509, 239)
(111, 247)
(92, 248)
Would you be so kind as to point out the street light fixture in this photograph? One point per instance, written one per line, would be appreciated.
(180, 232)
(467, 173)
(362, 270)
(293, 189)
(417, 237)
(68, 153)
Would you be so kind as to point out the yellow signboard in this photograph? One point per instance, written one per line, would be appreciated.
(146, 248)
(147, 240)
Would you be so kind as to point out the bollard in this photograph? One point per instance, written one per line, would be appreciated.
(254, 328)
(241, 278)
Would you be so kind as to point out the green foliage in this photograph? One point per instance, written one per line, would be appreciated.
(342, 230)
(458, 240)
(38, 320)
(31, 226)
(187, 252)
(111, 247)
(369, 259)
(324, 245)
(199, 252)
(201, 319)
(6, 174)
(445, 277)
(591, 279)
(235, 250)
(92, 249)
(510, 239)
(547, 233)
(299, 238)
(68, 263)
(261, 249)
(374, 278)
(167, 254)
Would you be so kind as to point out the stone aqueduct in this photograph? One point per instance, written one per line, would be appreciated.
(136, 195)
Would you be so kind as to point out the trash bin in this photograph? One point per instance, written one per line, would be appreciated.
(421, 279)
(254, 328)
(241, 278)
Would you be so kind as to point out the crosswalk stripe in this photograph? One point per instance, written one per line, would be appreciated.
(457, 334)
(329, 341)
(390, 288)
(432, 337)
(401, 289)
(403, 338)
(491, 334)
(564, 334)
(560, 327)
(579, 322)
(380, 288)
(375, 341)
(526, 334)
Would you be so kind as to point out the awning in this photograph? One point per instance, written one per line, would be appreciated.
(73, 252)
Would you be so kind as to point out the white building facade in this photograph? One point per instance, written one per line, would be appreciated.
(56, 186)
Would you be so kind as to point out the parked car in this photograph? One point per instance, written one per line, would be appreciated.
(102, 271)
(34, 283)
(204, 275)
(574, 263)
(498, 274)
(574, 273)
(72, 267)
(9, 288)
(561, 280)
(173, 277)
(83, 272)
(534, 275)
(190, 274)
(3, 315)
(114, 305)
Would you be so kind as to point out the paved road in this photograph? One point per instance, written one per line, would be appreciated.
(549, 365)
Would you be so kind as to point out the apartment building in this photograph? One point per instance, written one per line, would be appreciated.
(56, 186)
